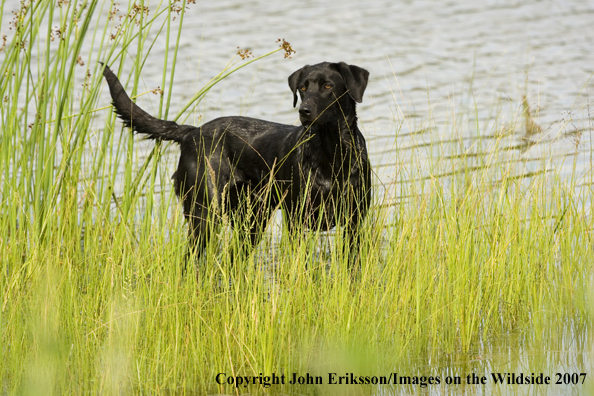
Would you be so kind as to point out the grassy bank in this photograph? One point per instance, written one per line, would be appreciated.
(477, 272)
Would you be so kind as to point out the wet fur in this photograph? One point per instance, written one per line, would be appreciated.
(318, 172)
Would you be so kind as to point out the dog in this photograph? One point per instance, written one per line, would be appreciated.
(318, 173)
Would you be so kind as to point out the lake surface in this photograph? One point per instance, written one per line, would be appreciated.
(442, 75)
(433, 65)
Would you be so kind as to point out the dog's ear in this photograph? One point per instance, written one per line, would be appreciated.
(293, 79)
(355, 78)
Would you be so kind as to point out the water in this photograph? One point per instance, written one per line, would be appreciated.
(441, 68)
(452, 62)
(428, 59)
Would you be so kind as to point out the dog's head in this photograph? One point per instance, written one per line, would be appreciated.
(327, 90)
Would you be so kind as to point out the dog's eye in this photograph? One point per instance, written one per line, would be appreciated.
(327, 86)
(303, 88)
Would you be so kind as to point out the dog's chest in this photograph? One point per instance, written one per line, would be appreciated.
(328, 181)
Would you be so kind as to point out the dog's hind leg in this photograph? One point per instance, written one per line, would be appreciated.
(250, 237)
(249, 220)
(199, 232)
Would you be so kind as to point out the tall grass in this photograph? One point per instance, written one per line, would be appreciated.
(471, 268)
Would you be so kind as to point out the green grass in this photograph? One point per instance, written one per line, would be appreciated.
(477, 272)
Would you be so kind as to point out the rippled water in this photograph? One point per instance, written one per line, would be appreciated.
(434, 65)
(449, 62)
(442, 73)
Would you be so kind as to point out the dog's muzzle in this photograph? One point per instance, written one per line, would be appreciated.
(305, 114)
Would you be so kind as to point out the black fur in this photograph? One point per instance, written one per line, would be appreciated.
(319, 172)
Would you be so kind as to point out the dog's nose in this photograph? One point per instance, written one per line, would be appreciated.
(304, 111)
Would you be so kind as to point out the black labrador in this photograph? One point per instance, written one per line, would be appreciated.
(319, 172)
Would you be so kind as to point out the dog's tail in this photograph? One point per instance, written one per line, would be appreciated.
(136, 118)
